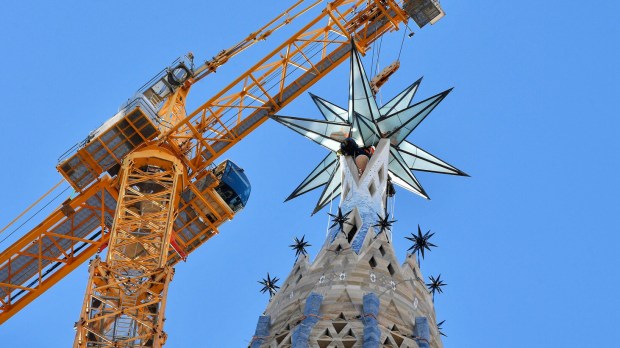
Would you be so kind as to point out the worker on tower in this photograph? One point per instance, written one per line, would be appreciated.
(361, 155)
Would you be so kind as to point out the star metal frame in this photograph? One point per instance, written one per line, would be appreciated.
(367, 123)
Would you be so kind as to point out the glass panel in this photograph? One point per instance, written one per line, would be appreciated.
(318, 177)
(418, 159)
(399, 125)
(330, 112)
(328, 134)
(332, 189)
(402, 100)
(364, 131)
(402, 176)
(361, 99)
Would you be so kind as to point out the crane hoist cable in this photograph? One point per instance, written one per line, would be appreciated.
(32, 206)
(402, 43)
(35, 213)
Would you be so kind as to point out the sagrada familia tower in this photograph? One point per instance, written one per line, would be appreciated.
(356, 293)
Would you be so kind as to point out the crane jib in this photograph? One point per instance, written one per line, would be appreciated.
(69, 237)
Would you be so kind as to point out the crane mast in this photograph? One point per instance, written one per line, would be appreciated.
(126, 294)
(146, 185)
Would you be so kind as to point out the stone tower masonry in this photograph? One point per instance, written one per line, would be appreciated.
(355, 293)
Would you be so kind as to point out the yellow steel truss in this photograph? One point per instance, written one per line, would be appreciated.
(47, 253)
(279, 77)
(126, 295)
(121, 311)
(196, 139)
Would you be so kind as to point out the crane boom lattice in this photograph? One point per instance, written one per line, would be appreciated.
(145, 180)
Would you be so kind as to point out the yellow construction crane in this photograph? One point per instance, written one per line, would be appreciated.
(146, 186)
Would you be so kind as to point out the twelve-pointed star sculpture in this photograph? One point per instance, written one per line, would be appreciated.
(435, 285)
(384, 224)
(300, 246)
(269, 284)
(420, 242)
(367, 123)
(339, 220)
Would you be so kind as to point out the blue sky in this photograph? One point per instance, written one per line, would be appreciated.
(527, 245)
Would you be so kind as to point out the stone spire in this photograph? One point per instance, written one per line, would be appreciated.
(355, 293)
